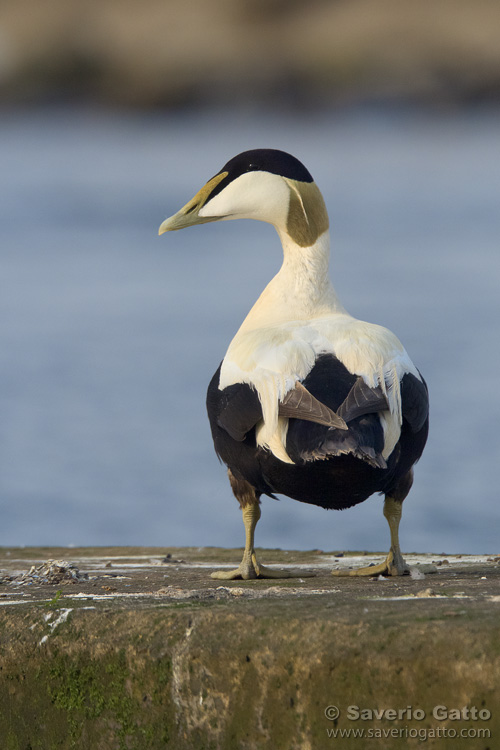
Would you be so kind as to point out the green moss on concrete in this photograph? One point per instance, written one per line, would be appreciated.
(78, 701)
(244, 671)
(230, 678)
(63, 694)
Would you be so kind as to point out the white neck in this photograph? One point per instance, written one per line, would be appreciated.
(301, 290)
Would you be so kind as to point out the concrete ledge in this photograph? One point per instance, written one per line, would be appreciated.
(149, 652)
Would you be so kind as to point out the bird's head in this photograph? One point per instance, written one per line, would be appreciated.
(263, 184)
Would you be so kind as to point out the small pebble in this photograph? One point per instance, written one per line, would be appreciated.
(416, 574)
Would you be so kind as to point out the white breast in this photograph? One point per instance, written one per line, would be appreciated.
(272, 359)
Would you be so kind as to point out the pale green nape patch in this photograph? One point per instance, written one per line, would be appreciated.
(307, 215)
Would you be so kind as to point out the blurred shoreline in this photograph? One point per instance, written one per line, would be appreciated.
(253, 52)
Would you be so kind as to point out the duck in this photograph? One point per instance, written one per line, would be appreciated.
(308, 402)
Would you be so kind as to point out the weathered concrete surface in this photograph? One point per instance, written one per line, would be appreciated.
(150, 652)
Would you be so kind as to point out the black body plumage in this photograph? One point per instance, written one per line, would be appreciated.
(332, 468)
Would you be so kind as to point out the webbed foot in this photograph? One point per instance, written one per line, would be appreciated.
(393, 565)
(249, 569)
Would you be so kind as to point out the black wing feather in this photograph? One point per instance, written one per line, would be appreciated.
(415, 401)
(239, 410)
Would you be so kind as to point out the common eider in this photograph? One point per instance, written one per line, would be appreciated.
(308, 401)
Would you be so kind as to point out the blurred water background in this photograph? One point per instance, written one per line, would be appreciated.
(109, 334)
